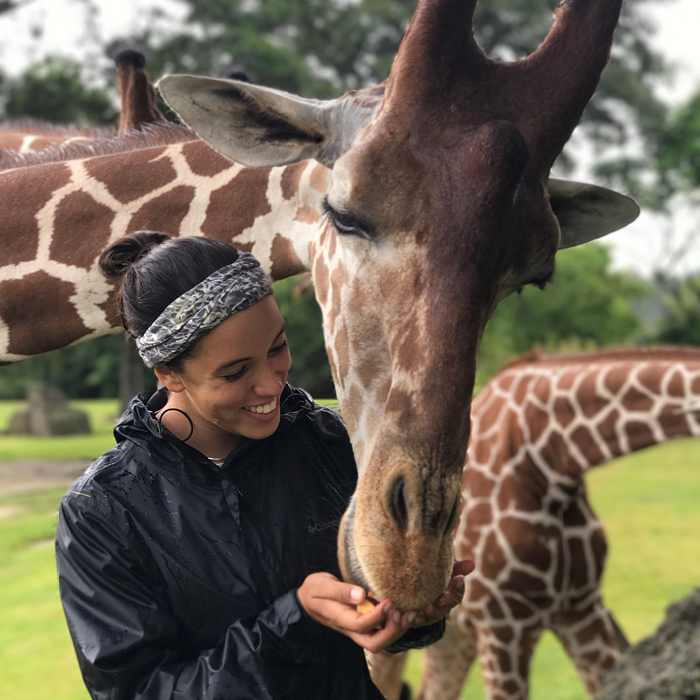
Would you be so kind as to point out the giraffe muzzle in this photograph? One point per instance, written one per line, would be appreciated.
(396, 540)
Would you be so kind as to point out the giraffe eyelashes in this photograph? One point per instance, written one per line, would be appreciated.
(539, 282)
(343, 224)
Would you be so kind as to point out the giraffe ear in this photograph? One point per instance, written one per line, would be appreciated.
(586, 212)
(260, 127)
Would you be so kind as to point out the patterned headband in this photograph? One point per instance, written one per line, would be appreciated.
(225, 292)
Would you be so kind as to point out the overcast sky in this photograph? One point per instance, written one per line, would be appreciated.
(639, 247)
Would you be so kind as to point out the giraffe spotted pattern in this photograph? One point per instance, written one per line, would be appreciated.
(69, 212)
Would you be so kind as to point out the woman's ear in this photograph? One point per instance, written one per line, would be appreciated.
(171, 380)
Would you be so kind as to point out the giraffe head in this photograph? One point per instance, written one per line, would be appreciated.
(437, 205)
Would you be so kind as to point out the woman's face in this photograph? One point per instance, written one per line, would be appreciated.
(233, 384)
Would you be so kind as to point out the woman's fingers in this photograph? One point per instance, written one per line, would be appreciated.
(395, 626)
(450, 598)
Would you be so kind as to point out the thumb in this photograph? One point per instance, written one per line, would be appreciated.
(346, 593)
(462, 567)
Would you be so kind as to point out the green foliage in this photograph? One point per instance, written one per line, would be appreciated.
(679, 151)
(53, 90)
(671, 161)
(586, 306)
(86, 370)
(302, 314)
(682, 324)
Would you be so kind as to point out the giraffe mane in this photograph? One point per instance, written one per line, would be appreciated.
(38, 127)
(658, 352)
(148, 136)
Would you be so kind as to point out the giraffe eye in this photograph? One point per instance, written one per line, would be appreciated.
(345, 225)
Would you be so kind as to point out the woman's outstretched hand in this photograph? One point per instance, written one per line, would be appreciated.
(333, 603)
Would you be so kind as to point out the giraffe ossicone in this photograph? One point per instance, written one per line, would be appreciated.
(425, 204)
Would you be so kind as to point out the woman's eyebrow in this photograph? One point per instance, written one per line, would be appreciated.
(226, 365)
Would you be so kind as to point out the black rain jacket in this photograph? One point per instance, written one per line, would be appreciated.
(178, 578)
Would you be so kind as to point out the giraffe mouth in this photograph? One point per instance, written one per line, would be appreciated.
(349, 563)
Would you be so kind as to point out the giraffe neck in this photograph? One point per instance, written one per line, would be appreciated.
(49, 278)
(579, 414)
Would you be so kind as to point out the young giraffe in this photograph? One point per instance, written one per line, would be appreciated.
(427, 202)
(537, 427)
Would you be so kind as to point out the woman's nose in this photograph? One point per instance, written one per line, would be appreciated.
(268, 382)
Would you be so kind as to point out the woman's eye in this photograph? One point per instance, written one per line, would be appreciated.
(343, 224)
(278, 349)
(235, 375)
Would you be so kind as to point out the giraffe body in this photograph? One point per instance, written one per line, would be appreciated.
(32, 136)
(183, 185)
(539, 548)
(417, 205)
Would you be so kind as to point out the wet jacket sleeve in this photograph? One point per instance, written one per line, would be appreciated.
(127, 641)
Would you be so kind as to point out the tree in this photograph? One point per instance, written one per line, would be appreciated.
(586, 306)
(88, 370)
(53, 90)
(302, 314)
(10, 5)
(681, 326)
(668, 180)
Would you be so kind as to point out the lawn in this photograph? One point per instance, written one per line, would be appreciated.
(649, 503)
(103, 414)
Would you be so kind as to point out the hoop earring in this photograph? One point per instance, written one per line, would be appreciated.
(189, 420)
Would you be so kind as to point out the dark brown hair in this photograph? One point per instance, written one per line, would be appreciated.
(154, 270)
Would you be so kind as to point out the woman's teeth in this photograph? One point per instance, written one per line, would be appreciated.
(267, 408)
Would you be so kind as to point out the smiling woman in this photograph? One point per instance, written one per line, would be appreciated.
(197, 559)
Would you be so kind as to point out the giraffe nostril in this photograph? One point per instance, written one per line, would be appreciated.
(397, 503)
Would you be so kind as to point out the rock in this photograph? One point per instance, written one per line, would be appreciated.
(664, 666)
(47, 414)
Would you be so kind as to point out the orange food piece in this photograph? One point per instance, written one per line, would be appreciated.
(368, 605)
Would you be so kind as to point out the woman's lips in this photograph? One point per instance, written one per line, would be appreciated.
(265, 411)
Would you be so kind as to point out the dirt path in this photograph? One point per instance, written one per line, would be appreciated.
(35, 475)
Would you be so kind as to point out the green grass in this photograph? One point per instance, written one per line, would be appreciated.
(36, 655)
(649, 503)
(103, 414)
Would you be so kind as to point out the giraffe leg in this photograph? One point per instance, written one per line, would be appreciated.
(505, 653)
(590, 639)
(447, 662)
(386, 671)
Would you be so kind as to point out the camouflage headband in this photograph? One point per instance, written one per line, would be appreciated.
(225, 292)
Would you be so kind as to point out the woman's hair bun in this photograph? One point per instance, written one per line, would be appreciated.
(120, 256)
